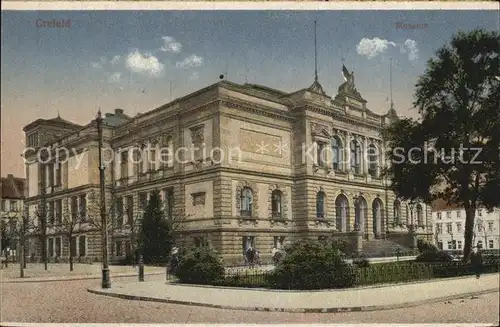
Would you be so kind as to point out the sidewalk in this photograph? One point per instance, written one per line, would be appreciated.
(60, 272)
(360, 299)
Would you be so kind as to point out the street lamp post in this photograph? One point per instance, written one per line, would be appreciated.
(106, 283)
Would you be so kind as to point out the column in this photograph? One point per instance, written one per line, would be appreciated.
(364, 156)
(347, 158)
(145, 157)
(130, 164)
(117, 167)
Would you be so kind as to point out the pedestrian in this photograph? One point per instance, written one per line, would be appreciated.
(476, 261)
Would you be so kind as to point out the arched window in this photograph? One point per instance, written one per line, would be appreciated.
(337, 153)
(372, 160)
(420, 215)
(360, 213)
(397, 212)
(320, 205)
(378, 215)
(341, 213)
(246, 202)
(355, 157)
(276, 204)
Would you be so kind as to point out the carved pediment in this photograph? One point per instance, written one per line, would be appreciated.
(319, 130)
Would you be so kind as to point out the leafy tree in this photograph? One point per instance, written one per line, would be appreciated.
(452, 152)
(155, 237)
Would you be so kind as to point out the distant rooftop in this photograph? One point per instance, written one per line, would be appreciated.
(12, 187)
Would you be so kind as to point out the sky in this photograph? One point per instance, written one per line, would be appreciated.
(139, 60)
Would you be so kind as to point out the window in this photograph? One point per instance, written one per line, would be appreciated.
(169, 202)
(4, 205)
(480, 226)
(336, 153)
(51, 174)
(82, 246)
(320, 205)
(279, 241)
(119, 212)
(152, 159)
(247, 242)
(276, 204)
(355, 157)
(490, 244)
(440, 245)
(83, 206)
(490, 226)
(459, 245)
(128, 248)
(13, 206)
(480, 213)
(130, 210)
(397, 212)
(448, 214)
(51, 213)
(50, 247)
(143, 201)
(74, 207)
(439, 215)
(372, 160)
(450, 245)
(439, 228)
(341, 213)
(459, 214)
(459, 227)
(321, 154)
(33, 140)
(58, 247)
(420, 215)
(480, 244)
(73, 246)
(58, 168)
(166, 158)
(124, 164)
(138, 160)
(449, 228)
(246, 202)
(118, 248)
(58, 208)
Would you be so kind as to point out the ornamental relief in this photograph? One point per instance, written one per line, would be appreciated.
(255, 197)
(319, 130)
(197, 134)
(284, 203)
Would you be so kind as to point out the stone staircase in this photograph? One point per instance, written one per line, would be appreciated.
(383, 248)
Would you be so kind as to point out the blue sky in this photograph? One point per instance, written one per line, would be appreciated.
(114, 59)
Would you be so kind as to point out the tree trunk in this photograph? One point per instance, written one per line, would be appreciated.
(70, 260)
(468, 232)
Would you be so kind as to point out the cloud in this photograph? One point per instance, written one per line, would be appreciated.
(191, 61)
(410, 47)
(114, 78)
(144, 63)
(372, 47)
(194, 76)
(115, 60)
(171, 45)
(98, 64)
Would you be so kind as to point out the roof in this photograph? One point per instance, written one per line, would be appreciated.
(12, 187)
(442, 205)
(58, 121)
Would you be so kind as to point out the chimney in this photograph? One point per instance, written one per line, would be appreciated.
(119, 111)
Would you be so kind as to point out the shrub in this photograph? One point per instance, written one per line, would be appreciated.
(361, 262)
(200, 265)
(434, 256)
(310, 265)
(424, 246)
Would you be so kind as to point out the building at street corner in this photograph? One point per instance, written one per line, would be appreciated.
(449, 226)
(242, 164)
(12, 206)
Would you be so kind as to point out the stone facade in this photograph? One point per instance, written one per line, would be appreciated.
(247, 164)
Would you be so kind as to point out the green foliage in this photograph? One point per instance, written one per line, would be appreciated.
(155, 237)
(424, 246)
(311, 265)
(200, 265)
(434, 256)
(458, 98)
(393, 272)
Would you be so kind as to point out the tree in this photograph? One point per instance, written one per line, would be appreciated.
(37, 226)
(457, 98)
(68, 226)
(155, 238)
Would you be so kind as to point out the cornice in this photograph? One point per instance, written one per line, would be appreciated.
(342, 117)
(233, 103)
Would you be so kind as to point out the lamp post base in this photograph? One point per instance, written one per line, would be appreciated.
(106, 283)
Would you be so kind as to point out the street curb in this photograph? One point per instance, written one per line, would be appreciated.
(295, 310)
(60, 279)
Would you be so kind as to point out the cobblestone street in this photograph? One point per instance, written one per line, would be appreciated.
(69, 302)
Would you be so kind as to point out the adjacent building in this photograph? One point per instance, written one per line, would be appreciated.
(12, 207)
(449, 225)
(241, 164)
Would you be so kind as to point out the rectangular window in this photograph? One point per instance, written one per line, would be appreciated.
(490, 226)
(448, 215)
(459, 214)
(73, 246)
(13, 206)
(124, 164)
(51, 174)
(439, 228)
(83, 207)
(74, 207)
(50, 247)
(449, 228)
(490, 244)
(152, 159)
(480, 226)
(82, 246)
(321, 154)
(459, 227)
(130, 210)
(459, 245)
(143, 201)
(480, 213)
(51, 213)
(58, 167)
(480, 244)
(450, 245)
(58, 208)
(439, 215)
(119, 212)
(168, 202)
(440, 245)
(58, 247)
(248, 241)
